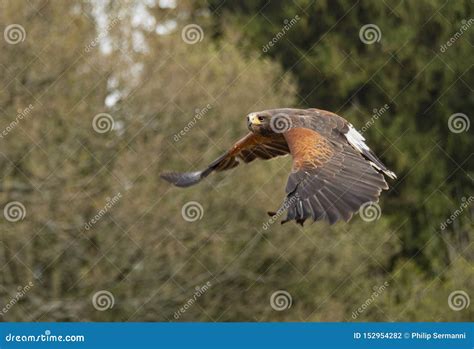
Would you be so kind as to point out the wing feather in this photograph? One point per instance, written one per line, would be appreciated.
(247, 149)
(330, 178)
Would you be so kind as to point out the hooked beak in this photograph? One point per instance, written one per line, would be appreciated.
(252, 120)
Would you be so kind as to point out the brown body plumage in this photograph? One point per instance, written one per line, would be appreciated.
(333, 173)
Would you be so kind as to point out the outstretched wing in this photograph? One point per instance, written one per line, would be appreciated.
(331, 178)
(247, 149)
(332, 126)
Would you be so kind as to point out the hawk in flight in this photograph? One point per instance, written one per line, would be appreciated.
(333, 174)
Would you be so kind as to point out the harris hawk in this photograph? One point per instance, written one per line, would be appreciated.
(333, 173)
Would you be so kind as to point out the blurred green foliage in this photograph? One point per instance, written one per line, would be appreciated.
(78, 54)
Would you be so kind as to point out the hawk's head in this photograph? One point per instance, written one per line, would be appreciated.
(269, 122)
(259, 122)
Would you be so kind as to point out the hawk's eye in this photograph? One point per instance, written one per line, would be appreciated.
(260, 118)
